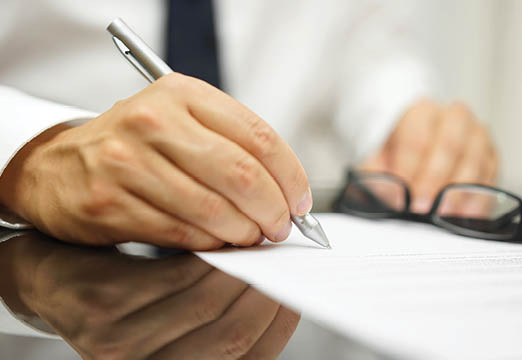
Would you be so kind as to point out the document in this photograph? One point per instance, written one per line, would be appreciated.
(408, 290)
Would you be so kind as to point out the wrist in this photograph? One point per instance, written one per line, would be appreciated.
(18, 178)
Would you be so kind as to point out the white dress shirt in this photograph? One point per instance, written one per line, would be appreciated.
(331, 77)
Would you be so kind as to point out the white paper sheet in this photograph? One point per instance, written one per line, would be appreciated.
(407, 290)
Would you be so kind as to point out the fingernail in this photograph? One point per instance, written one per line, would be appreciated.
(260, 240)
(421, 205)
(305, 205)
(285, 232)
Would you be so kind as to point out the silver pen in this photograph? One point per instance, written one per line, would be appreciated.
(152, 67)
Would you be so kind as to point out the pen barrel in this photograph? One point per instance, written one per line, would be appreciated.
(139, 49)
(305, 223)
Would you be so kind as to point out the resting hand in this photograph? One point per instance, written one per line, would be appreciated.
(433, 145)
(180, 164)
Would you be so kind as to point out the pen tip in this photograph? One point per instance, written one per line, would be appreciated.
(318, 236)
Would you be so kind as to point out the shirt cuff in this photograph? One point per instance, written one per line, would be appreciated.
(26, 118)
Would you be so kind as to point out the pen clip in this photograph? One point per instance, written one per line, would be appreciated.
(127, 54)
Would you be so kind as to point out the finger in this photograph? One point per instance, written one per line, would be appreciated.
(224, 115)
(161, 183)
(229, 337)
(478, 206)
(454, 124)
(175, 316)
(158, 278)
(125, 218)
(276, 336)
(229, 170)
(491, 171)
(477, 166)
(412, 139)
(378, 162)
(115, 293)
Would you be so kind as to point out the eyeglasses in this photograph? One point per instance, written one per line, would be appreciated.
(466, 209)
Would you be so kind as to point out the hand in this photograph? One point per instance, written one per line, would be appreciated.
(109, 305)
(434, 145)
(180, 164)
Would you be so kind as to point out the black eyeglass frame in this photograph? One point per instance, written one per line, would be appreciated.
(340, 205)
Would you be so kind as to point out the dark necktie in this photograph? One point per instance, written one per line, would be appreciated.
(192, 45)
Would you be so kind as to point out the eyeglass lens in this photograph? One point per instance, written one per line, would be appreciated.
(467, 209)
(480, 210)
(376, 195)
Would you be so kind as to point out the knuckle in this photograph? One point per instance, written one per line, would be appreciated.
(415, 144)
(452, 145)
(107, 347)
(181, 234)
(422, 106)
(180, 276)
(251, 235)
(103, 299)
(100, 199)
(173, 81)
(426, 103)
(211, 208)
(264, 138)
(244, 175)
(206, 308)
(237, 341)
(99, 309)
(143, 117)
(298, 182)
(121, 104)
(181, 84)
(460, 111)
(281, 219)
(115, 150)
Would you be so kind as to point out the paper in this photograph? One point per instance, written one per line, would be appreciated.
(412, 291)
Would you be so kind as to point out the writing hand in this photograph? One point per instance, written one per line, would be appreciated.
(180, 164)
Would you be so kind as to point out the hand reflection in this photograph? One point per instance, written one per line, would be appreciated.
(110, 305)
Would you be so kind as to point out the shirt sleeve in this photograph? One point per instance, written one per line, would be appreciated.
(397, 72)
(24, 117)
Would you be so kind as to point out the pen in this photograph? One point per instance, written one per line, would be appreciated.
(152, 67)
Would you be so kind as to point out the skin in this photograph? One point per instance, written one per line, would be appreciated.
(434, 145)
(108, 305)
(180, 164)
